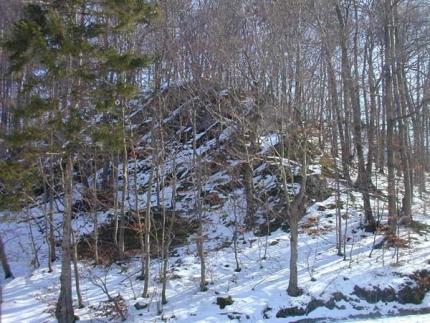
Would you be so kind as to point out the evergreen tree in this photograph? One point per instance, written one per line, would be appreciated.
(62, 42)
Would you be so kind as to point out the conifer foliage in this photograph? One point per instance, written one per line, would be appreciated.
(68, 51)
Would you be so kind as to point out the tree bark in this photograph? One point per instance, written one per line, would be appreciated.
(124, 199)
(390, 114)
(198, 186)
(76, 270)
(146, 256)
(64, 310)
(352, 95)
(4, 262)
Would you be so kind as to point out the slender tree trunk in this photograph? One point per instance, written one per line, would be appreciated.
(64, 309)
(95, 214)
(48, 192)
(198, 186)
(76, 270)
(418, 128)
(138, 216)
(124, 199)
(115, 179)
(382, 116)
(293, 283)
(371, 155)
(52, 253)
(401, 89)
(169, 235)
(338, 217)
(249, 192)
(293, 212)
(390, 115)
(147, 242)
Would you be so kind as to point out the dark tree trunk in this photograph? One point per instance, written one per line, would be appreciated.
(249, 194)
(64, 310)
(293, 284)
(4, 262)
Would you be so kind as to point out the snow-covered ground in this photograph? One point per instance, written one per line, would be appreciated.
(258, 290)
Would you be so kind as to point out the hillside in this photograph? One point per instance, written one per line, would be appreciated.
(247, 258)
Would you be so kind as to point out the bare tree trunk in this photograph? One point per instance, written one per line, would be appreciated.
(94, 212)
(147, 242)
(339, 239)
(138, 216)
(292, 210)
(64, 309)
(390, 115)
(124, 199)
(198, 186)
(418, 127)
(372, 153)
(403, 108)
(115, 165)
(249, 192)
(169, 235)
(52, 253)
(76, 270)
(292, 213)
(351, 95)
(382, 112)
(339, 120)
(4, 262)
(48, 196)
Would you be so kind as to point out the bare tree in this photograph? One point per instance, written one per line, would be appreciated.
(389, 6)
(351, 96)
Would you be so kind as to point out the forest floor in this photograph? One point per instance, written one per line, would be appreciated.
(341, 284)
(365, 282)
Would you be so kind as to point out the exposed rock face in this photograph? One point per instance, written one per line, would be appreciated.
(317, 188)
(375, 294)
(291, 311)
(415, 291)
(412, 291)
